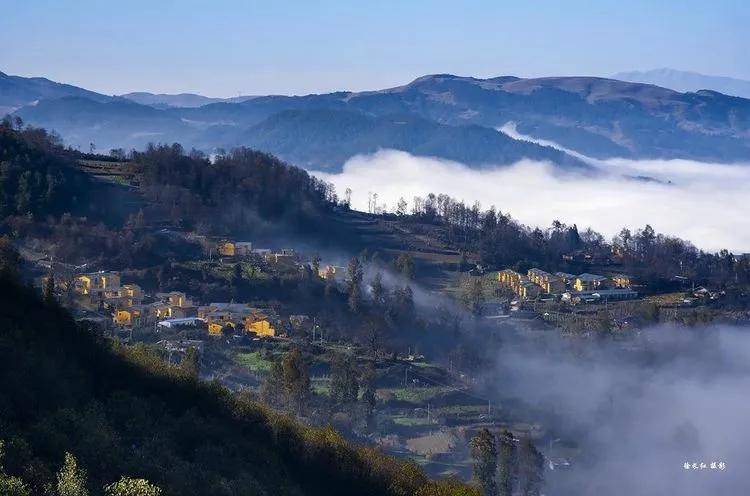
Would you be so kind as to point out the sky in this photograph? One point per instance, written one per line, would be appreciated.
(224, 47)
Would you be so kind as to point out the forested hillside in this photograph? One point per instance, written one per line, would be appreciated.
(36, 177)
(123, 412)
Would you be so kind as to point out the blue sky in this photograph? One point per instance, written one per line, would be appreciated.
(225, 47)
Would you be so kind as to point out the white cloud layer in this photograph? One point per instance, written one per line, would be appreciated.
(706, 203)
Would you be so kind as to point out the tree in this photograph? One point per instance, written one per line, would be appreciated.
(354, 281)
(368, 395)
(484, 456)
(401, 207)
(132, 487)
(296, 380)
(473, 289)
(507, 464)
(49, 289)
(316, 264)
(9, 485)
(71, 480)
(404, 264)
(377, 289)
(531, 469)
(117, 154)
(190, 363)
(344, 383)
(273, 384)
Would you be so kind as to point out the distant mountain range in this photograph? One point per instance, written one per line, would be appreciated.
(441, 115)
(688, 81)
(16, 91)
(188, 100)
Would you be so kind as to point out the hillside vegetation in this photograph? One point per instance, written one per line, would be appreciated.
(123, 412)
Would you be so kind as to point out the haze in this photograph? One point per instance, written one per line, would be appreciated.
(703, 202)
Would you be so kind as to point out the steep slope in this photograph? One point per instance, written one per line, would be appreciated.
(688, 81)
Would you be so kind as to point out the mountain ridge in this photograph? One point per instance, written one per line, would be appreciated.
(688, 81)
(599, 117)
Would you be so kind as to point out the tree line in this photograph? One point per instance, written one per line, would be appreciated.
(501, 241)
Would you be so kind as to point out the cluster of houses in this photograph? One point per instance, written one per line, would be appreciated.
(244, 249)
(569, 287)
(127, 303)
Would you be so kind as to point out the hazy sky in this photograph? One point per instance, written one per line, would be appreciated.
(226, 47)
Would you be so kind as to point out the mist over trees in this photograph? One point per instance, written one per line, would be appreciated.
(501, 241)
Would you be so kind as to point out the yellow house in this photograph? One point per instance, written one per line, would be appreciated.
(260, 326)
(621, 281)
(331, 272)
(175, 299)
(161, 310)
(549, 283)
(215, 328)
(84, 284)
(519, 283)
(509, 277)
(130, 294)
(127, 317)
(226, 249)
(589, 282)
(98, 282)
(527, 290)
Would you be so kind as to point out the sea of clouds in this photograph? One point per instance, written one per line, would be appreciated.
(639, 422)
(706, 203)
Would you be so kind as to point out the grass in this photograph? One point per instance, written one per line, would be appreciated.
(253, 361)
(416, 395)
(462, 410)
(411, 421)
(666, 299)
(321, 386)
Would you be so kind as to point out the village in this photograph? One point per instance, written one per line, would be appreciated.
(584, 287)
(120, 306)
(425, 410)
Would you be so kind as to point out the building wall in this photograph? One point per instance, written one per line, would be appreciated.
(262, 328)
(226, 249)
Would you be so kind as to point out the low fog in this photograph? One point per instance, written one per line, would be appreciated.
(641, 410)
(705, 203)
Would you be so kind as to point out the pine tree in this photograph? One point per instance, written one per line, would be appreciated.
(49, 289)
(354, 281)
(484, 454)
(273, 385)
(404, 264)
(377, 289)
(507, 464)
(344, 382)
(531, 469)
(296, 380)
(316, 264)
(71, 480)
(9, 485)
(368, 395)
(132, 487)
